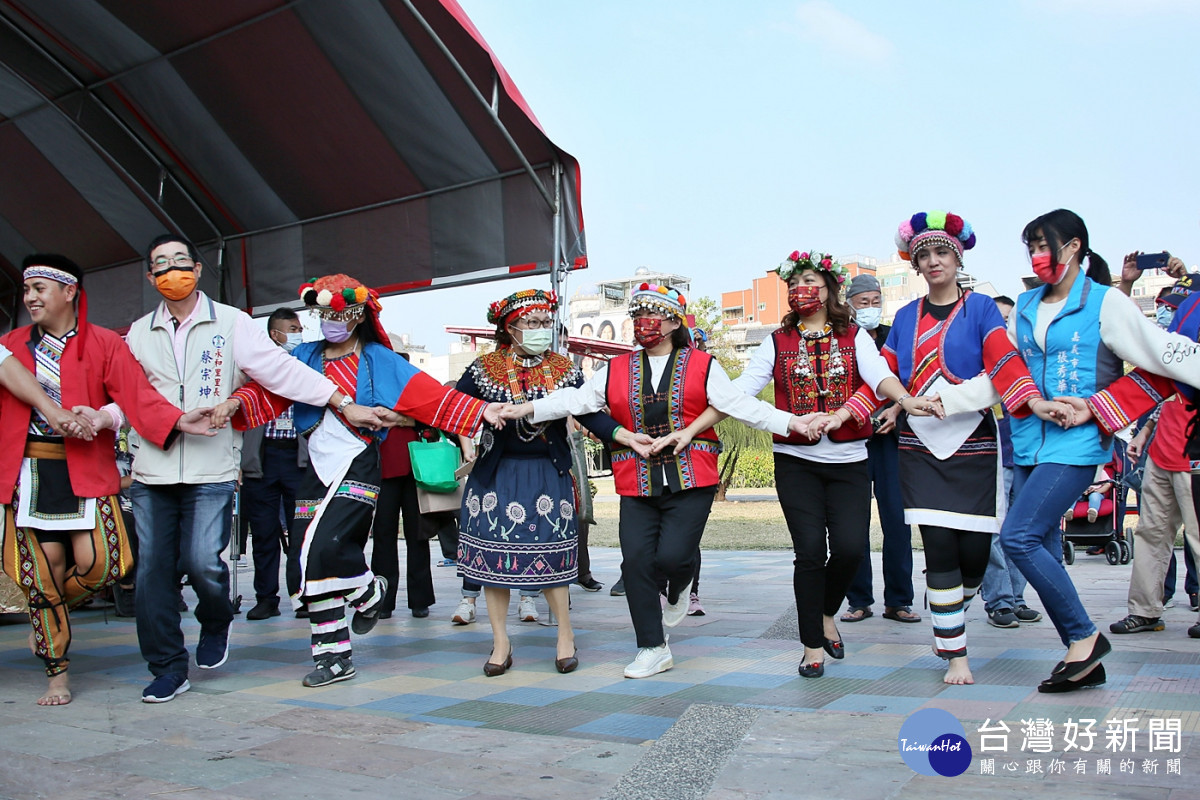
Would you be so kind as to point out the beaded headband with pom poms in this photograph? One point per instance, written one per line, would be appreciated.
(797, 262)
(662, 299)
(521, 303)
(927, 229)
(340, 298)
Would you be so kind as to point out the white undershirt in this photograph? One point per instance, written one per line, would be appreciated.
(1046, 312)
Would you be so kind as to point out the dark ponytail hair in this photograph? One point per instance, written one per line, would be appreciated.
(839, 313)
(1061, 226)
(680, 338)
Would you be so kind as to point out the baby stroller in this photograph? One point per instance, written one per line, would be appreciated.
(1107, 529)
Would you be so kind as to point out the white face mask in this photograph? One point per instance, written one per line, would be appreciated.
(293, 339)
(536, 341)
(1163, 316)
(868, 317)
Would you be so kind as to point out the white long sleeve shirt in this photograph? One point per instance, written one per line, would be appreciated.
(722, 395)
(872, 368)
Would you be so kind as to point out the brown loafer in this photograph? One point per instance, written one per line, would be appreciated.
(493, 670)
(568, 664)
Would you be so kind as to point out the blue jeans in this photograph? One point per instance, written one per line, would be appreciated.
(1003, 584)
(883, 464)
(1189, 580)
(181, 528)
(1032, 538)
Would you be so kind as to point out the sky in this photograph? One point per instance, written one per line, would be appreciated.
(716, 137)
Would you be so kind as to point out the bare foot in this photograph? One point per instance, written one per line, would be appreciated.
(959, 673)
(58, 693)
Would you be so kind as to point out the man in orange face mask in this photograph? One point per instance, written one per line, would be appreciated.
(197, 352)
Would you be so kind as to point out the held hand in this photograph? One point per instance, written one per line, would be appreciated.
(1053, 411)
(98, 420)
(515, 411)
(887, 419)
(823, 424)
(638, 442)
(800, 424)
(197, 422)
(221, 412)
(75, 425)
(468, 449)
(362, 417)
(924, 407)
(1081, 413)
(678, 440)
(494, 414)
(390, 418)
(1136, 444)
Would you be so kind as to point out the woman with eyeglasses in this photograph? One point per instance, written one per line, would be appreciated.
(518, 527)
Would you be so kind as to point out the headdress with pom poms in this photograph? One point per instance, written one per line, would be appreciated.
(339, 298)
(927, 229)
(662, 299)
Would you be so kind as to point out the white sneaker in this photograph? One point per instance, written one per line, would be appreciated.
(527, 609)
(465, 613)
(673, 613)
(650, 661)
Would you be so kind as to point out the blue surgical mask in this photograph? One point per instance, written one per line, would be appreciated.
(868, 317)
(293, 339)
(1163, 315)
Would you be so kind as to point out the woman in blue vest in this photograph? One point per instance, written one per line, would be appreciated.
(1073, 332)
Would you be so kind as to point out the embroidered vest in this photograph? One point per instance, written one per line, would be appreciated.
(800, 394)
(680, 397)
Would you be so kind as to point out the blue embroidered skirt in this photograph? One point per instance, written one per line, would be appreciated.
(520, 532)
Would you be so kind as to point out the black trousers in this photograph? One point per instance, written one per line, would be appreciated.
(262, 499)
(660, 534)
(398, 496)
(828, 513)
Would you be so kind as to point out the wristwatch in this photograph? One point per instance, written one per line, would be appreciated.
(347, 401)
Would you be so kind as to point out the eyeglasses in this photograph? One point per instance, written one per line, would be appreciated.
(534, 324)
(177, 260)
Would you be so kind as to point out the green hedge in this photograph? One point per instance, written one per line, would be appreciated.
(755, 469)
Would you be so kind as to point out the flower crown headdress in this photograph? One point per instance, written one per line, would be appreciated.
(797, 262)
(338, 297)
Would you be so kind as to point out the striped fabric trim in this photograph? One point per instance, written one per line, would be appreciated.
(258, 405)
(859, 405)
(459, 413)
(1110, 415)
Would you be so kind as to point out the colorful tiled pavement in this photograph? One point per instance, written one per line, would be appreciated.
(732, 719)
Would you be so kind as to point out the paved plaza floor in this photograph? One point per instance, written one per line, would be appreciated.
(731, 720)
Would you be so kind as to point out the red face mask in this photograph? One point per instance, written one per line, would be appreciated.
(647, 331)
(805, 300)
(1046, 270)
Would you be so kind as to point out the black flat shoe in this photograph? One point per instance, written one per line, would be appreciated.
(591, 584)
(813, 670)
(835, 648)
(494, 670)
(419, 613)
(568, 664)
(1073, 669)
(1093, 678)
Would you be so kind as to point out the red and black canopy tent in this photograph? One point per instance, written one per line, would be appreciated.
(288, 139)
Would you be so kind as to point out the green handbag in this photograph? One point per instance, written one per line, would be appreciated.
(433, 465)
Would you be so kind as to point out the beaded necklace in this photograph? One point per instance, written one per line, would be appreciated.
(526, 430)
(835, 367)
